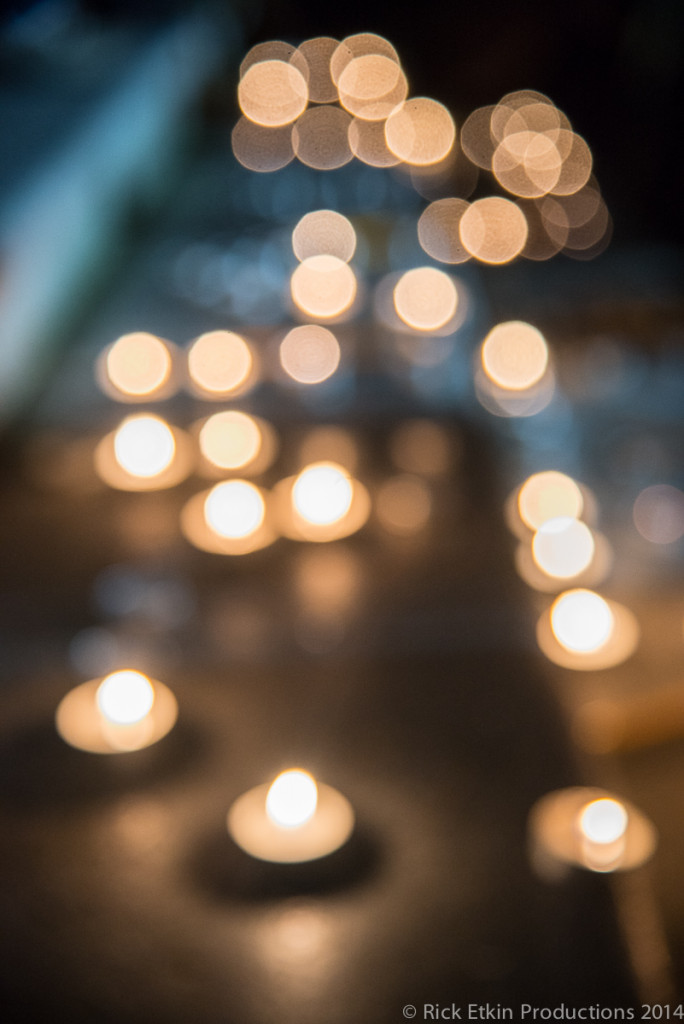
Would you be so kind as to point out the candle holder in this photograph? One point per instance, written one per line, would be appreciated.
(115, 714)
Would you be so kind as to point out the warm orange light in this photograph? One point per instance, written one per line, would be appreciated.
(234, 509)
(421, 131)
(219, 362)
(261, 149)
(144, 446)
(581, 620)
(425, 298)
(403, 504)
(323, 286)
(659, 514)
(493, 230)
(125, 697)
(514, 355)
(563, 547)
(292, 798)
(367, 142)
(576, 164)
(317, 53)
(138, 365)
(324, 233)
(548, 495)
(603, 821)
(320, 138)
(477, 141)
(272, 93)
(309, 354)
(438, 230)
(360, 45)
(322, 493)
(372, 87)
(527, 164)
(230, 439)
(275, 50)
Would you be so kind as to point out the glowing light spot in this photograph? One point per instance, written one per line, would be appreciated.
(125, 697)
(361, 45)
(603, 821)
(508, 116)
(292, 798)
(421, 132)
(368, 144)
(138, 364)
(324, 233)
(576, 165)
(261, 149)
(404, 504)
(320, 138)
(659, 514)
(234, 509)
(144, 445)
(309, 354)
(547, 495)
(493, 230)
(581, 621)
(322, 493)
(372, 87)
(317, 53)
(272, 93)
(219, 362)
(275, 50)
(438, 230)
(563, 547)
(323, 286)
(230, 439)
(425, 298)
(477, 141)
(515, 355)
(527, 164)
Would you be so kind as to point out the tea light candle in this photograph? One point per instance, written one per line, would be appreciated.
(124, 711)
(294, 819)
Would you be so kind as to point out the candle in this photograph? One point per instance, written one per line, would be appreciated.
(121, 712)
(294, 819)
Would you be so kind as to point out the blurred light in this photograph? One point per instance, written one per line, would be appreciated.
(367, 142)
(422, 447)
(603, 821)
(563, 547)
(322, 493)
(328, 580)
(320, 138)
(477, 141)
(421, 132)
(317, 53)
(576, 164)
(125, 697)
(527, 164)
(272, 93)
(581, 620)
(323, 286)
(404, 504)
(659, 514)
(234, 509)
(261, 149)
(493, 230)
(138, 364)
(324, 233)
(309, 354)
(547, 495)
(275, 50)
(291, 800)
(360, 45)
(515, 355)
(438, 230)
(425, 298)
(219, 362)
(372, 86)
(230, 439)
(144, 445)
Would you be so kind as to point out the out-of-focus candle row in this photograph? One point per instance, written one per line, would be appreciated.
(294, 819)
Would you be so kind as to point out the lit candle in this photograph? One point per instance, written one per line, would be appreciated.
(293, 819)
(124, 711)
